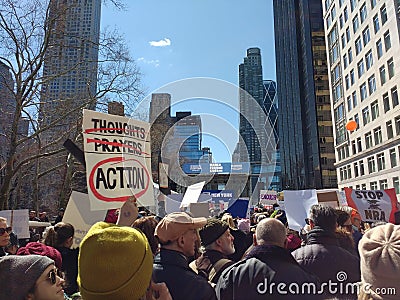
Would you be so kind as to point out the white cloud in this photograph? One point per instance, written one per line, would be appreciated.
(161, 43)
(154, 62)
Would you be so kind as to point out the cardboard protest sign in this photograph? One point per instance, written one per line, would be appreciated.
(117, 154)
(78, 214)
(374, 205)
(268, 197)
(18, 220)
(297, 207)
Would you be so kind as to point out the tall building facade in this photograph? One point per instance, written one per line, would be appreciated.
(258, 144)
(70, 69)
(364, 72)
(270, 107)
(304, 117)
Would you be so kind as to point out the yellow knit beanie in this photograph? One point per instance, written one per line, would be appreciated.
(114, 263)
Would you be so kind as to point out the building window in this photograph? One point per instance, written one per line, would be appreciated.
(359, 45)
(390, 64)
(383, 185)
(371, 164)
(343, 41)
(357, 120)
(396, 185)
(349, 106)
(386, 39)
(378, 135)
(373, 185)
(397, 125)
(363, 186)
(347, 81)
(376, 23)
(393, 159)
(383, 14)
(345, 62)
(353, 147)
(352, 77)
(366, 36)
(355, 167)
(363, 13)
(389, 129)
(386, 104)
(354, 97)
(359, 144)
(369, 61)
(373, 3)
(353, 4)
(381, 161)
(371, 84)
(368, 140)
(379, 48)
(366, 116)
(350, 54)
(341, 22)
(374, 110)
(395, 97)
(363, 91)
(360, 68)
(361, 165)
(382, 73)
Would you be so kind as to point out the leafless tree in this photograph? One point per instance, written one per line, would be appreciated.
(31, 34)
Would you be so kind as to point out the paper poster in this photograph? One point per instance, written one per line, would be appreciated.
(268, 197)
(78, 214)
(192, 194)
(118, 160)
(18, 220)
(297, 207)
(373, 205)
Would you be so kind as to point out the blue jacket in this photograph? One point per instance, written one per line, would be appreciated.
(183, 283)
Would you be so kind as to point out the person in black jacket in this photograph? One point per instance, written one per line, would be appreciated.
(267, 270)
(177, 234)
(323, 256)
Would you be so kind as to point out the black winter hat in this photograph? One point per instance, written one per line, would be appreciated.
(212, 231)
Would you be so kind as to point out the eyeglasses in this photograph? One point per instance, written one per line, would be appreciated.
(307, 221)
(53, 276)
(4, 230)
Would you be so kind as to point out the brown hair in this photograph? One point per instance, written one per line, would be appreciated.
(147, 225)
(58, 234)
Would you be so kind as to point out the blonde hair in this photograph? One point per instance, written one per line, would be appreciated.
(228, 219)
(3, 220)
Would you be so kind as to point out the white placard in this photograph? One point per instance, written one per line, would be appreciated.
(118, 160)
(192, 194)
(18, 220)
(78, 214)
(268, 197)
(297, 206)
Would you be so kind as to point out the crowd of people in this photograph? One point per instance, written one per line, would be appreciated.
(335, 256)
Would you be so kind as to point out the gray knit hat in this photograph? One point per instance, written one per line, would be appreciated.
(18, 274)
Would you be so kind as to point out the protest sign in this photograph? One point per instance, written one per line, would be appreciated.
(268, 197)
(373, 205)
(78, 214)
(297, 206)
(18, 220)
(192, 194)
(117, 154)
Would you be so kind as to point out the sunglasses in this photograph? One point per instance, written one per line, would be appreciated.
(4, 230)
(53, 276)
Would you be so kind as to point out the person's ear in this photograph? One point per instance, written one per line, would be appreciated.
(29, 297)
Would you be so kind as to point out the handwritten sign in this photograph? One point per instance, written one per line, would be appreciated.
(118, 160)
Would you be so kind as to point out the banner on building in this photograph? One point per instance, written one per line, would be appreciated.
(373, 205)
(118, 160)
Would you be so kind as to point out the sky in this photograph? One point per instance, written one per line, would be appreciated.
(175, 40)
